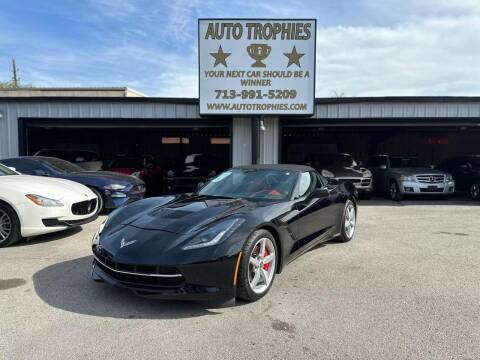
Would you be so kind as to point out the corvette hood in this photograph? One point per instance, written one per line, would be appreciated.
(188, 214)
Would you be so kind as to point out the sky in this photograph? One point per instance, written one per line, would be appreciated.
(364, 47)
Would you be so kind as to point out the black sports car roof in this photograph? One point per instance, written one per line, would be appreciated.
(283, 167)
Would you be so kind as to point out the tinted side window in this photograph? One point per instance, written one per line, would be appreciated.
(25, 166)
(377, 161)
(321, 181)
(453, 163)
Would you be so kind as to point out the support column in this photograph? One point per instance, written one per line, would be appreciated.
(268, 140)
(241, 141)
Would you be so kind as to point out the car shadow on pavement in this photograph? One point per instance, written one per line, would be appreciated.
(48, 237)
(68, 286)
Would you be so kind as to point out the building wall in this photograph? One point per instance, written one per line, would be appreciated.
(385, 110)
(79, 92)
(377, 108)
(11, 111)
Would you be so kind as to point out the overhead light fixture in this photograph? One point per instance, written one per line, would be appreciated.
(262, 126)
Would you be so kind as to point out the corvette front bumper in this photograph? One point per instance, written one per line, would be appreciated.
(209, 281)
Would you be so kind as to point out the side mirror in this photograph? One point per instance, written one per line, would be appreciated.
(383, 167)
(199, 186)
(321, 190)
(332, 181)
(40, 172)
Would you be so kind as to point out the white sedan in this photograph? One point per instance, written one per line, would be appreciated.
(34, 205)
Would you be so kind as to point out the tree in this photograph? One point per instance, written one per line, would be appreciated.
(8, 85)
(15, 82)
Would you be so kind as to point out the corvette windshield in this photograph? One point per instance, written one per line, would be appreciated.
(4, 171)
(62, 165)
(271, 185)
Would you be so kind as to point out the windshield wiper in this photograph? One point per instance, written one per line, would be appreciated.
(219, 196)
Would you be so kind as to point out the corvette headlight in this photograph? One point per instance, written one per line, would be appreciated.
(327, 174)
(214, 234)
(44, 201)
(115, 187)
(367, 173)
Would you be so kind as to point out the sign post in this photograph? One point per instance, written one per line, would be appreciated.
(257, 67)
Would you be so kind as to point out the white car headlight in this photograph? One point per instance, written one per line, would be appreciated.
(407, 178)
(367, 173)
(448, 177)
(44, 201)
(327, 174)
(214, 234)
(115, 187)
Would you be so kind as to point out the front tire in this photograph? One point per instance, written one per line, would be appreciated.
(349, 222)
(258, 266)
(474, 191)
(9, 226)
(101, 201)
(394, 192)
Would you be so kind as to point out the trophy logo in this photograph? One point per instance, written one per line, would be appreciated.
(259, 52)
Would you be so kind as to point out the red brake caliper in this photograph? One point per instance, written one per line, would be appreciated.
(266, 266)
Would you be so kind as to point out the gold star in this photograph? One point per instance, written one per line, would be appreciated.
(220, 57)
(293, 57)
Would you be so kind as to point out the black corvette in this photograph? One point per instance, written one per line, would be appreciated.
(227, 240)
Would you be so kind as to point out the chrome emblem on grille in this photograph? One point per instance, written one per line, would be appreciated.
(124, 243)
(432, 179)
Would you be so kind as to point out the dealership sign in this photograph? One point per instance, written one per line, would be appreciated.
(256, 67)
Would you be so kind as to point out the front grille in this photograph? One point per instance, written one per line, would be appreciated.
(366, 182)
(143, 281)
(430, 179)
(84, 207)
(139, 275)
